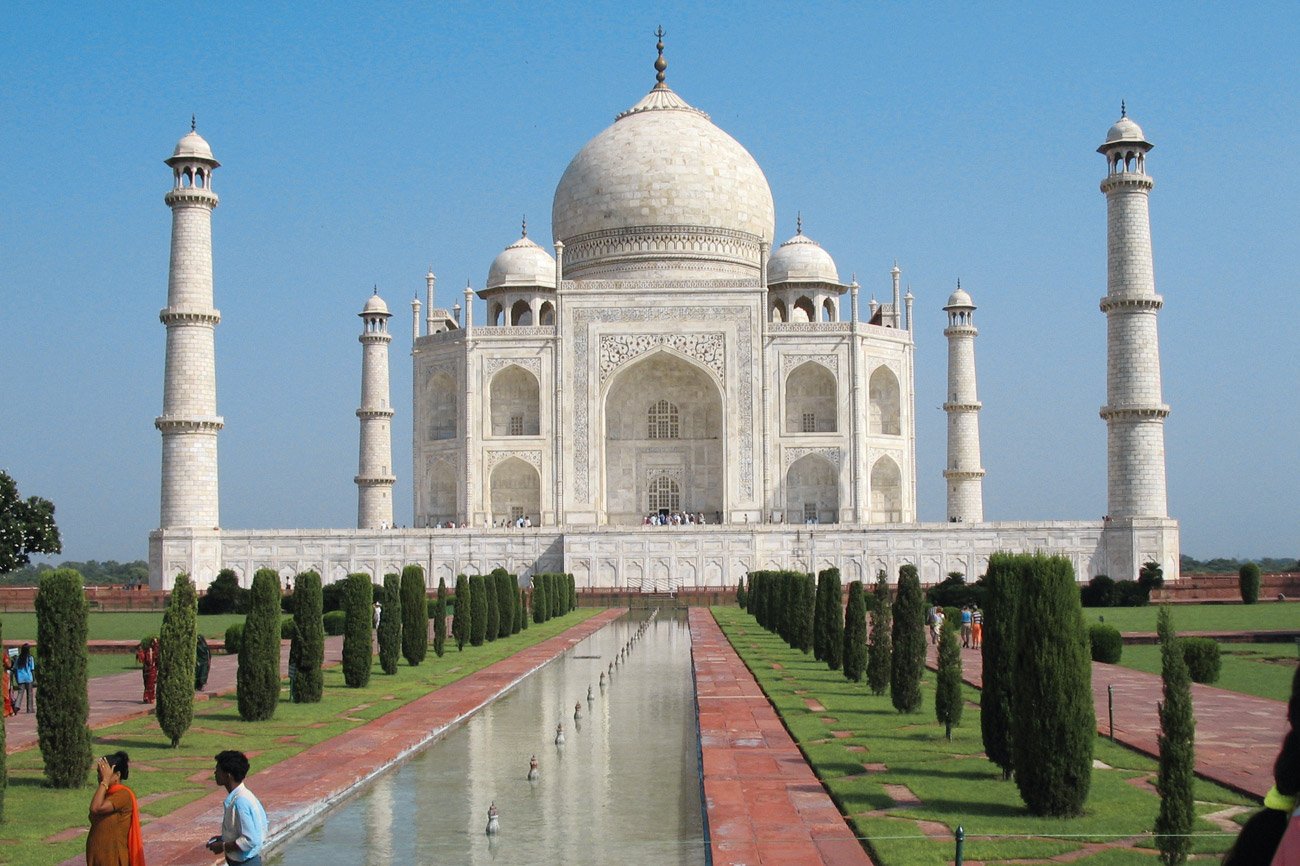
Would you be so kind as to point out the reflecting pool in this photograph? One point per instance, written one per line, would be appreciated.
(623, 788)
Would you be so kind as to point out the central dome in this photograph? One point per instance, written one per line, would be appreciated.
(662, 193)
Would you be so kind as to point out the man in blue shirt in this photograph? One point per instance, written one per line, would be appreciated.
(243, 820)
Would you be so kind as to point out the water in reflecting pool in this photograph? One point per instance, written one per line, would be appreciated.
(624, 787)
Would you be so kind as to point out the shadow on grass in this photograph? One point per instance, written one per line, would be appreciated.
(955, 809)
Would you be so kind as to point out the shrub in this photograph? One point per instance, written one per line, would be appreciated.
(389, 632)
(257, 678)
(286, 628)
(505, 598)
(855, 634)
(416, 610)
(234, 638)
(462, 612)
(997, 652)
(176, 661)
(947, 692)
(493, 630)
(439, 620)
(1107, 645)
(64, 706)
(1248, 582)
(740, 593)
(335, 622)
(1151, 576)
(1201, 655)
(954, 591)
(834, 614)
(1130, 593)
(479, 602)
(1052, 713)
(952, 617)
(1174, 780)
(523, 609)
(309, 638)
(332, 596)
(540, 605)
(907, 662)
(358, 609)
(224, 595)
(880, 646)
(1099, 592)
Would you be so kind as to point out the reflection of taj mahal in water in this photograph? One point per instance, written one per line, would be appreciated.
(667, 358)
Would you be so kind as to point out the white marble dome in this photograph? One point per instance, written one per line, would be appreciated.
(801, 260)
(662, 190)
(523, 263)
(1124, 129)
(192, 146)
(959, 298)
(375, 306)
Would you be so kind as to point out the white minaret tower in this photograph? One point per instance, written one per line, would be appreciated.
(963, 473)
(375, 477)
(1134, 412)
(189, 421)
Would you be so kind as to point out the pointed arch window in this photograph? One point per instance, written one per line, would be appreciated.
(663, 421)
(664, 495)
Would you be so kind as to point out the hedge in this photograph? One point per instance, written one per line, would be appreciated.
(1107, 644)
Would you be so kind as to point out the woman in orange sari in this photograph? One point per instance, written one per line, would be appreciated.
(115, 838)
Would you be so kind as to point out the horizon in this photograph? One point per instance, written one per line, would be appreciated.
(360, 149)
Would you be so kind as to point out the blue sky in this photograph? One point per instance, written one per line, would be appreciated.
(363, 143)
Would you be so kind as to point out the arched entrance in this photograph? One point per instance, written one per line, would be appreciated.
(663, 441)
(886, 492)
(516, 491)
(812, 491)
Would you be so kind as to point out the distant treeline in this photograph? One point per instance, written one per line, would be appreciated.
(1268, 565)
(94, 573)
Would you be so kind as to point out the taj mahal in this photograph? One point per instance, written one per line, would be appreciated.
(666, 360)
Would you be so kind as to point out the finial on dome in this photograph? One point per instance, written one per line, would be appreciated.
(959, 283)
(193, 124)
(798, 222)
(376, 291)
(525, 226)
(660, 63)
(1123, 109)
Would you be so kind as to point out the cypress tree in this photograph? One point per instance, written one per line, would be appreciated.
(773, 600)
(751, 594)
(791, 594)
(64, 706)
(573, 593)
(523, 609)
(493, 629)
(881, 644)
(907, 661)
(1175, 780)
(740, 594)
(415, 616)
(358, 607)
(947, 692)
(440, 619)
(855, 634)
(479, 602)
(1248, 583)
(539, 599)
(556, 593)
(309, 634)
(389, 632)
(176, 660)
(462, 614)
(996, 653)
(807, 603)
(506, 597)
(1052, 713)
(834, 615)
(257, 678)
(819, 618)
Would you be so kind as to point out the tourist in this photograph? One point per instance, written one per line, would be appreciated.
(966, 623)
(379, 609)
(976, 626)
(147, 656)
(114, 838)
(202, 663)
(24, 673)
(936, 623)
(5, 682)
(243, 820)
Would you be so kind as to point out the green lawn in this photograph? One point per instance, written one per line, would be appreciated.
(1202, 617)
(955, 784)
(1262, 669)
(125, 625)
(33, 813)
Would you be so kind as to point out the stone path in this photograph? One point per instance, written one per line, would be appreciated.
(764, 803)
(1237, 736)
(296, 791)
(116, 698)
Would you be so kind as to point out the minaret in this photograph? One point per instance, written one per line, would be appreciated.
(375, 478)
(189, 421)
(1134, 412)
(963, 473)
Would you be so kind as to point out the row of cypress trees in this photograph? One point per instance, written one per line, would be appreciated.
(495, 605)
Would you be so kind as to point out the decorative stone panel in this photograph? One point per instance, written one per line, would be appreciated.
(790, 455)
(790, 362)
(619, 349)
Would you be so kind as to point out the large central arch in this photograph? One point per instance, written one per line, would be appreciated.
(663, 429)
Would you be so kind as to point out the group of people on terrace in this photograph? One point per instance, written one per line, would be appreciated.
(972, 625)
(674, 518)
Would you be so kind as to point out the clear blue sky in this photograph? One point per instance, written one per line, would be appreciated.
(361, 144)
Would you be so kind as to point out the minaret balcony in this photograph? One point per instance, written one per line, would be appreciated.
(189, 423)
(191, 195)
(365, 414)
(1135, 413)
(1128, 181)
(187, 316)
(973, 406)
(1138, 303)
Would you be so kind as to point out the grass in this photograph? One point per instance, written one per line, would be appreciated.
(34, 813)
(1261, 669)
(1202, 617)
(954, 782)
(123, 625)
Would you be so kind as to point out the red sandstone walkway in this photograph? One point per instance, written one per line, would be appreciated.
(298, 790)
(116, 698)
(1237, 736)
(764, 804)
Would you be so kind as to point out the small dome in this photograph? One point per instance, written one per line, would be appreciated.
(801, 260)
(375, 306)
(523, 263)
(192, 146)
(959, 298)
(1124, 130)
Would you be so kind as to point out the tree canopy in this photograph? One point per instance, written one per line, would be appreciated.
(26, 526)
